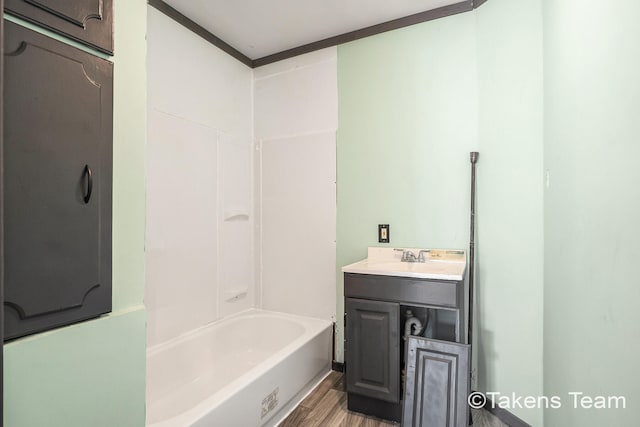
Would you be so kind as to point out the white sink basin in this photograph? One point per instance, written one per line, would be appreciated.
(442, 265)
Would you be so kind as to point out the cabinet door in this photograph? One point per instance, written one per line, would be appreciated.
(57, 168)
(372, 349)
(437, 384)
(1, 232)
(87, 21)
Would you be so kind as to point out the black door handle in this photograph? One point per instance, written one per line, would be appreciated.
(87, 171)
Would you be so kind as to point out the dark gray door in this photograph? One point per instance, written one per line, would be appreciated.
(57, 163)
(437, 384)
(1, 227)
(372, 349)
(87, 21)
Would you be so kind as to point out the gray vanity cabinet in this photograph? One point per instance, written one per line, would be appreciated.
(437, 383)
(57, 158)
(86, 21)
(436, 371)
(373, 338)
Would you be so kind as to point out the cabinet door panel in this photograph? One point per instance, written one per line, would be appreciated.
(437, 384)
(372, 349)
(87, 21)
(57, 144)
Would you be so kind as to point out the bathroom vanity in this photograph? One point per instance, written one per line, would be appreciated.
(422, 379)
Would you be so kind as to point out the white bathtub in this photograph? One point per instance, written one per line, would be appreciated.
(247, 370)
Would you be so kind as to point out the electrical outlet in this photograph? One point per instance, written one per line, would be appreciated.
(383, 233)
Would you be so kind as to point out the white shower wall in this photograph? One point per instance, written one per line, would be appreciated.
(234, 220)
(296, 119)
(200, 219)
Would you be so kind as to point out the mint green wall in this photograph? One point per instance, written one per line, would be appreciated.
(592, 207)
(510, 200)
(130, 136)
(407, 122)
(90, 374)
(412, 104)
(93, 373)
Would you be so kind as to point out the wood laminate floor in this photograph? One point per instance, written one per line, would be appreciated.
(326, 406)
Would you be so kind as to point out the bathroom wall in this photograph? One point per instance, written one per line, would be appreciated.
(413, 103)
(199, 235)
(295, 118)
(407, 121)
(509, 243)
(592, 206)
(92, 373)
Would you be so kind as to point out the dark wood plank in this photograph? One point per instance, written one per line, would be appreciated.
(327, 412)
(321, 390)
(328, 408)
(296, 417)
(502, 415)
(373, 422)
(336, 414)
(353, 419)
(340, 384)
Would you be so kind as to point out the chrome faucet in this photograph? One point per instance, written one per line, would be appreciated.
(409, 256)
(404, 254)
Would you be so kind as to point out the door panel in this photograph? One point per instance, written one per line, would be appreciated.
(87, 21)
(372, 349)
(77, 12)
(437, 383)
(1, 221)
(58, 120)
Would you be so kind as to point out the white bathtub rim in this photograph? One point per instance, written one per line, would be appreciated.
(219, 397)
(185, 336)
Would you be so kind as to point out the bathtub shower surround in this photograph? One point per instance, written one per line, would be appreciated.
(223, 204)
(296, 119)
(200, 219)
(249, 369)
(213, 358)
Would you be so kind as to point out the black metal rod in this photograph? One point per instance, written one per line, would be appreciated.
(474, 159)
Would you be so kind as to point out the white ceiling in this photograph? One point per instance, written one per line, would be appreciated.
(258, 28)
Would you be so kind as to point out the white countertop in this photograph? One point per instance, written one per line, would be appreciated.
(441, 264)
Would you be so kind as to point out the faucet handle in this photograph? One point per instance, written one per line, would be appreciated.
(404, 254)
(421, 257)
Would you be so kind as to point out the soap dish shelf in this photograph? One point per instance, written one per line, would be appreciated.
(236, 215)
